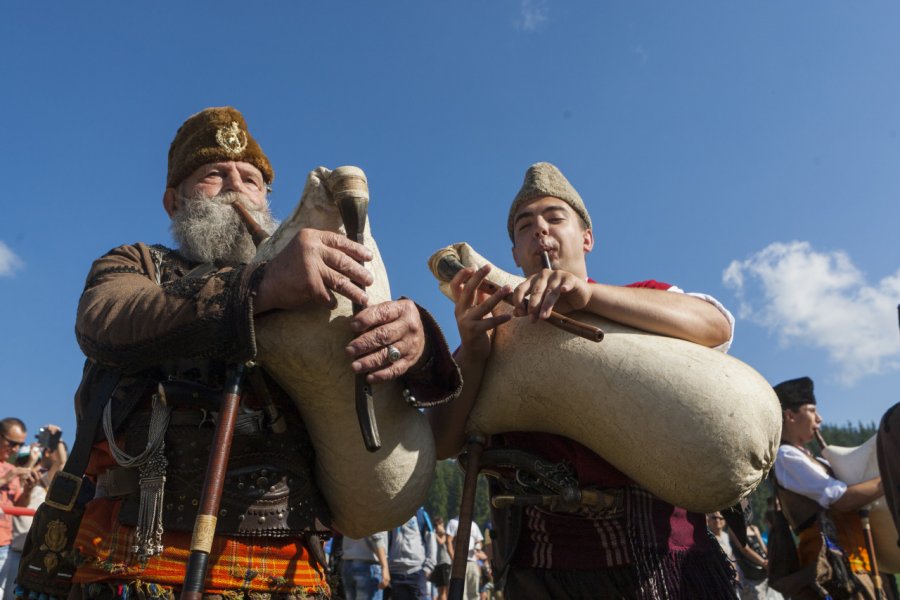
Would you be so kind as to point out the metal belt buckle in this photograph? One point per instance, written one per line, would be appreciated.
(61, 480)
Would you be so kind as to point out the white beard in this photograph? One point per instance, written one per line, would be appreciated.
(209, 230)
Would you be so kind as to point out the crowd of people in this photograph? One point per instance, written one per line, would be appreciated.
(162, 329)
(411, 562)
(26, 470)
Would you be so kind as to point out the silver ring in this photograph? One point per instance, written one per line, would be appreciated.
(393, 354)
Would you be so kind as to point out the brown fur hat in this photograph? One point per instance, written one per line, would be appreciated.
(212, 135)
(794, 393)
(544, 179)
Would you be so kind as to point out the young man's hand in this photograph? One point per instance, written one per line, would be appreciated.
(549, 290)
(472, 309)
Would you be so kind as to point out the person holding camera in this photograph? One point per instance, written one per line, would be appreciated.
(38, 467)
(14, 481)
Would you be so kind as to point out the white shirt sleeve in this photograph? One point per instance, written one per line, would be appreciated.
(799, 473)
(706, 297)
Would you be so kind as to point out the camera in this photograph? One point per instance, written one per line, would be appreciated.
(48, 439)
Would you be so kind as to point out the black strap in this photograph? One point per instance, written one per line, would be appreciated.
(66, 486)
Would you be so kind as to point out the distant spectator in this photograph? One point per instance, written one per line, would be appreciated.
(752, 560)
(716, 524)
(409, 559)
(13, 482)
(473, 572)
(440, 577)
(485, 575)
(364, 567)
(45, 463)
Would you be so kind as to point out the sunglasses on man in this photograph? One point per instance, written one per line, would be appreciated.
(11, 443)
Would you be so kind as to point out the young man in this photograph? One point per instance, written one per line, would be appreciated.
(176, 318)
(812, 498)
(646, 548)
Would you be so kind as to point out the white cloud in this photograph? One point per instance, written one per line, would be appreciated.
(9, 262)
(821, 300)
(533, 14)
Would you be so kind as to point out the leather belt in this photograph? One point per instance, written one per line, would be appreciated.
(597, 500)
(528, 480)
(118, 481)
(122, 481)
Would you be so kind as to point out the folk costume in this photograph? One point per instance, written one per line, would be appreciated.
(806, 488)
(889, 460)
(169, 328)
(636, 545)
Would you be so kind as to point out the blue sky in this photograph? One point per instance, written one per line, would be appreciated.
(747, 150)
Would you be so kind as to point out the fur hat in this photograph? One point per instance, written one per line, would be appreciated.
(544, 179)
(213, 135)
(794, 393)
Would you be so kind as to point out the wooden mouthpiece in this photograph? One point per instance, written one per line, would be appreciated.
(821, 440)
(258, 234)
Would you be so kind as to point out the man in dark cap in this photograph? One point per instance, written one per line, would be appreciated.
(644, 548)
(889, 457)
(173, 320)
(814, 501)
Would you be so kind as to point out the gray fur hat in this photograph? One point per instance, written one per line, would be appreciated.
(544, 179)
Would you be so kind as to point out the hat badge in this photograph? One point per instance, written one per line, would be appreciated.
(231, 138)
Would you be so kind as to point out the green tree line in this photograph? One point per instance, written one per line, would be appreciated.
(446, 493)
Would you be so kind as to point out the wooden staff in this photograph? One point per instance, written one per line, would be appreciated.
(350, 191)
(867, 531)
(205, 525)
(870, 548)
(466, 511)
(448, 266)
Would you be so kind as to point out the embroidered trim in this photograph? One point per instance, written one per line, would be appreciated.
(111, 270)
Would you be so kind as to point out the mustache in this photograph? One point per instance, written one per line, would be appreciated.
(227, 198)
(262, 216)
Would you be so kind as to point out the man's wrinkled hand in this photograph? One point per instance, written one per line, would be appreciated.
(394, 323)
(313, 267)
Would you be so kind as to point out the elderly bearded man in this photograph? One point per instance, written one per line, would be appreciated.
(180, 316)
(643, 548)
